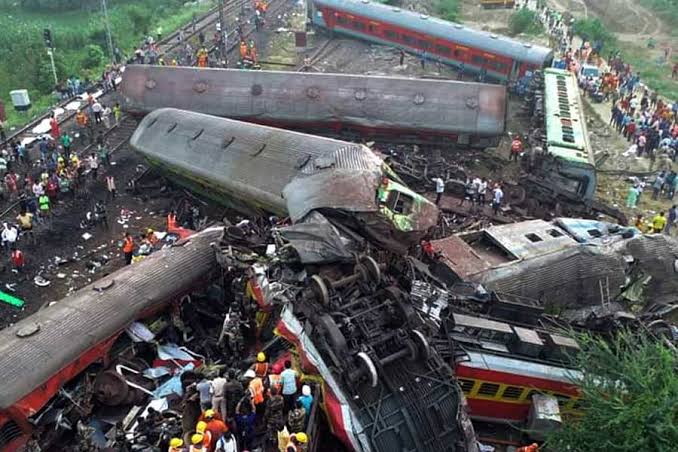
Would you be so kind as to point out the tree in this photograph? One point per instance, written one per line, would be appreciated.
(630, 397)
(93, 57)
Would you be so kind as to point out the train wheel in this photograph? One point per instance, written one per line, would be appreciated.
(320, 290)
(333, 334)
(422, 345)
(368, 368)
(372, 267)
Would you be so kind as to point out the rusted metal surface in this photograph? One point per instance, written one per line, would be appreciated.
(316, 101)
(529, 239)
(460, 256)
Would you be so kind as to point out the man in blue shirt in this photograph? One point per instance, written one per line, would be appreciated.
(289, 385)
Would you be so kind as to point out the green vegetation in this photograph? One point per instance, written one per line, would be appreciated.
(630, 397)
(657, 77)
(667, 10)
(525, 21)
(448, 10)
(78, 34)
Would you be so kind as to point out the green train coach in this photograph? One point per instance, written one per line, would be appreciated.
(573, 169)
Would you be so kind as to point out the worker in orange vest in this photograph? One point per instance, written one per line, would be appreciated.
(128, 248)
(256, 389)
(252, 51)
(171, 221)
(516, 148)
(261, 366)
(202, 57)
(531, 448)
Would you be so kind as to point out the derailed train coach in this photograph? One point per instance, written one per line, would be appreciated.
(494, 56)
(261, 169)
(344, 106)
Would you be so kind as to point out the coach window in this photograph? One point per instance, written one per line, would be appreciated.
(423, 44)
(392, 35)
(408, 40)
(488, 389)
(478, 60)
(399, 203)
(443, 50)
(342, 20)
(460, 54)
(358, 25)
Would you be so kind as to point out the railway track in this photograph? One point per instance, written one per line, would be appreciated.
(166, 46)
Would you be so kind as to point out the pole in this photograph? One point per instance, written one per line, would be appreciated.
(50, 52)
(222, 28)
(305, 15)
(108, 30)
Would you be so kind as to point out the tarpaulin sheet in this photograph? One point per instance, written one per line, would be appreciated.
(317, 241)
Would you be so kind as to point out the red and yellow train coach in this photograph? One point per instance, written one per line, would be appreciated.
(497, 57)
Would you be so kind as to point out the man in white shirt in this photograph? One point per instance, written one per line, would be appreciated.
(440, 188)
(38, 189)
(9, 236)
(482, 190)
(498, 196)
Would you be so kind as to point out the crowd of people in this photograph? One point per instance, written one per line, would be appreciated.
(265, 407)
(50, 171)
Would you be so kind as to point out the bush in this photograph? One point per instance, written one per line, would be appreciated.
(140, 19)
(93, 56)
(448, 10)
(593, 30)
(524, 21)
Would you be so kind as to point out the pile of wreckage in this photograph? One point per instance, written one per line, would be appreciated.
(379, 336)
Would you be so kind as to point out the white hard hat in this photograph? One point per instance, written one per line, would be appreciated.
(250, 373)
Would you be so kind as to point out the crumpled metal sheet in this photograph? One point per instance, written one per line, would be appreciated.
(342, 189)
(317, 241)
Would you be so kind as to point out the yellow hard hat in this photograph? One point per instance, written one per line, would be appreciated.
(176, 442)
(261, 357)
(301, 437)
(201, 427)
(196, 438)
(209, 414)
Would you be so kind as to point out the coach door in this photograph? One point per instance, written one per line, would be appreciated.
(515, 71)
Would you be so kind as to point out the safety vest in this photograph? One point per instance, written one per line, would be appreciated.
(171, 222)
(243, 50)
(257, 391)
(128, 246)
(43, 200)
(261, 369)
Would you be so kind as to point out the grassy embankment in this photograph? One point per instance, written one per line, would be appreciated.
(80, 40)
(656, 76)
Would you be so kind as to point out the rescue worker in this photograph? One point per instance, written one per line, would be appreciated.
(176, 445)
(171, 221)
(215, 427)
(54, 127)
(275, 381)
(226, 443)
(196, 443)
(82, 121)
(274, 415)
(201, 428)
(218, 396)
(306, 400)
(289, 382)
(440, 188)
(516, 148)
(297, 442)
(531, 448)
(252, 51)
(203, 57)
(233, 391)
(151, 237)
(128, 248)
(256, 390)
(261, 366)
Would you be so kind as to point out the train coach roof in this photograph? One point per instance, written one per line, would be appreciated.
(443, 29)
(260, 162)
(89, 316)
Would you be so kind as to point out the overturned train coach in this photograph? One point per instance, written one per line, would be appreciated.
(259, 169)
(44, 352)
(342, 106)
